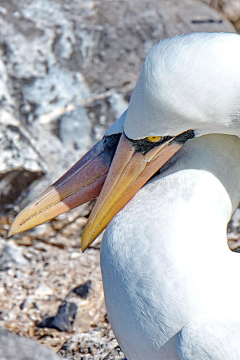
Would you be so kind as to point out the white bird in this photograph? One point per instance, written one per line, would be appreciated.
(170, 280)
(168, 273)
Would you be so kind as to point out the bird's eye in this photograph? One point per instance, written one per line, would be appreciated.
(154, 139)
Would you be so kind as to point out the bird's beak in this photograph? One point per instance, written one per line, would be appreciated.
(129, 171)
(83, 182)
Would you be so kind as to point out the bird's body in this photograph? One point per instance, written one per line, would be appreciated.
(165, 259)
(170, 280)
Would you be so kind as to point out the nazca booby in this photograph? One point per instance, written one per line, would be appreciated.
(167, 271)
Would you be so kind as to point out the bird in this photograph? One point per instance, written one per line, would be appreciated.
(169, 277)
(167, 185)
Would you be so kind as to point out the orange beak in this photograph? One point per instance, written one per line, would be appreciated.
(131, 168)
(83, 182)
(129, 171)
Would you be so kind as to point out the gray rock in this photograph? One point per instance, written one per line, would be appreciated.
(75, 129)
(130, 29)
(51, 94)
(63, 320)
(10, 254)
(230, 8)
(20, 164)
(21, 348)
(83, 290)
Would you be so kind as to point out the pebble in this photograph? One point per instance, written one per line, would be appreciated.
(43, 290)
(10, 254)
(63, 320)
(83, 290)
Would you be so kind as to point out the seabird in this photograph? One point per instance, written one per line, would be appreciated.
(170, 280)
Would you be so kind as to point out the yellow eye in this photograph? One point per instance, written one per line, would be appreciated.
(154, 138)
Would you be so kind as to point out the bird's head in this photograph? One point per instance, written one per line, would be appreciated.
(189, 86)
(187, 82)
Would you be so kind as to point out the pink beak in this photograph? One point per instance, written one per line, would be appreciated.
(82, 183)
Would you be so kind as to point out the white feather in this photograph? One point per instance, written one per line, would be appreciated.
(188, 82)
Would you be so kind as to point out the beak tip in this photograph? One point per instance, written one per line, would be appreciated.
(84, 244)
(17, 225)
(12, 231)
(87, 237)
(9, 234)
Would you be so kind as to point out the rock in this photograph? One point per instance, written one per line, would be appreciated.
(11, 254)
(43, 291)
(19, 163)
(37, 90)
(64, 319)
(230, 8)
(75, 129)
(83, 290)
(118, 104)
(131, 29)
(21, 348)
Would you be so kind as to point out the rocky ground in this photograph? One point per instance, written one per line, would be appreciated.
(67, 69)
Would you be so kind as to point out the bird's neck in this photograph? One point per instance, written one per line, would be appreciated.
(215, 153)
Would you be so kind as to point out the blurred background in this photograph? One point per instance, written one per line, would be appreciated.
(67, 70)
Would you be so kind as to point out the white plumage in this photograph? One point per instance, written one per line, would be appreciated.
(168, 273)
(166, 265)
(188, 82)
